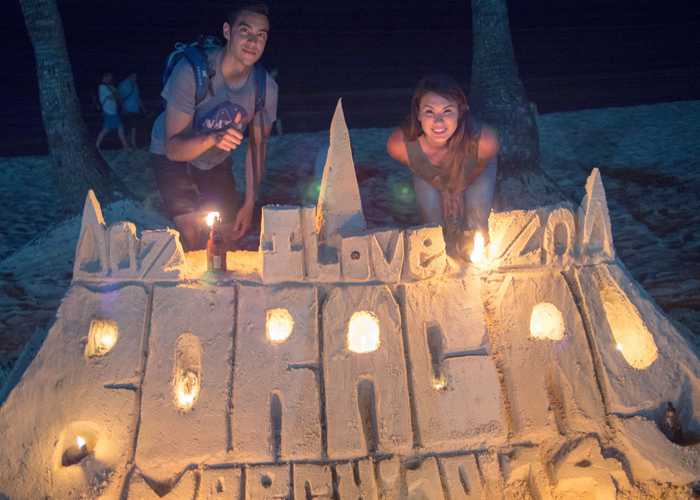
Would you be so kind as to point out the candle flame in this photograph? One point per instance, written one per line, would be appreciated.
(187, 390)
(439, 383)
(80, 441)
(478, 255)
(106, 340)
(211, 217)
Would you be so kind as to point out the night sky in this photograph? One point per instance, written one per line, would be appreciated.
(571, 55)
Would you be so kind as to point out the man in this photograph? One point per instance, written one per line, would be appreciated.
(132, 107)
(192, 143)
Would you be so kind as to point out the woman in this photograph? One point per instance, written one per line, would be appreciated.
(453, 159)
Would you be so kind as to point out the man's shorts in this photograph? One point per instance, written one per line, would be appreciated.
(186, 189)
(132, 120)
(111, 122)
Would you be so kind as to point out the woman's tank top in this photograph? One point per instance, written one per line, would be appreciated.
(437, 176)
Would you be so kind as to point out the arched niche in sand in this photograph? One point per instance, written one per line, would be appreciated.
(76, 442)
(632, 338)
(102, 337)
(546, 322)
(187, 372)
(363, 332)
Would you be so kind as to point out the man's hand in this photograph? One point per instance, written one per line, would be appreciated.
(229, 138)
(242, 222)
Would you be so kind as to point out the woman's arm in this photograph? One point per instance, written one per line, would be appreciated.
(396, 147)
(487, 150)
(488, 145)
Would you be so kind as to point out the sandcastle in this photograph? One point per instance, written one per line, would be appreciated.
(346, 362)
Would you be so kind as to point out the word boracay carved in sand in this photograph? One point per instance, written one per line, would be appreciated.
(339, 361)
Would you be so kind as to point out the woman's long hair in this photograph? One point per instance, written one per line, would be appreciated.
(458, 144)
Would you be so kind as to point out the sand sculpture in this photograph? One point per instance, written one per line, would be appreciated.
(342, 362)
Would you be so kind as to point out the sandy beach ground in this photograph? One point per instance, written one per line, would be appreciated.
(649, 157)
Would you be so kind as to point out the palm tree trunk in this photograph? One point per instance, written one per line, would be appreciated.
(76, 164)
(497, 96)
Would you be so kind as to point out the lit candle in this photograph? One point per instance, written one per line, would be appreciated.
(211, 217)
(105, 340)
(187, 390)
(81, 443)
(478, 255)
(216, 251)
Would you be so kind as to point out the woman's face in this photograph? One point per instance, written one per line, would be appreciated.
(438, 117)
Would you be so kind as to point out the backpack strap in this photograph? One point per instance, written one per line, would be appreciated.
(197, 57)
(196, 54)
(260, 78)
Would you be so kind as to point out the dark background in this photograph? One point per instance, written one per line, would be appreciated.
(571, 54)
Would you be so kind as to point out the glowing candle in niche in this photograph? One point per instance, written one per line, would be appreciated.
(187, 373)
(631, 337)
(102, 337)
(76, 450)
(439, 383)
(546, 322)
(363, 332)
(278, 325)
(478, 255)
(187, 390)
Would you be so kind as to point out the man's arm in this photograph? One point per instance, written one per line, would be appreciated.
(254, 171)
(182, 143)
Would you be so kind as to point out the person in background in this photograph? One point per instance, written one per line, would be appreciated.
(133, 112)
(192, 142)
(453, 159)
(109, 104)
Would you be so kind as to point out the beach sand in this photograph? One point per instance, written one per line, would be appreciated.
(649, 157)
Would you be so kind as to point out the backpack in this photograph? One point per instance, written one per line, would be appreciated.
(196, 54)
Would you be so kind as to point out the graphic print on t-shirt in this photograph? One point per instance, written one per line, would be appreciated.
(222, 116)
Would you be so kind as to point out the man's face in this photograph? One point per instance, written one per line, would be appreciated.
(246, 39)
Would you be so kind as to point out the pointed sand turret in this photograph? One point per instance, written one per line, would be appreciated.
(595, 233)
(339, 209)
(91, 255)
